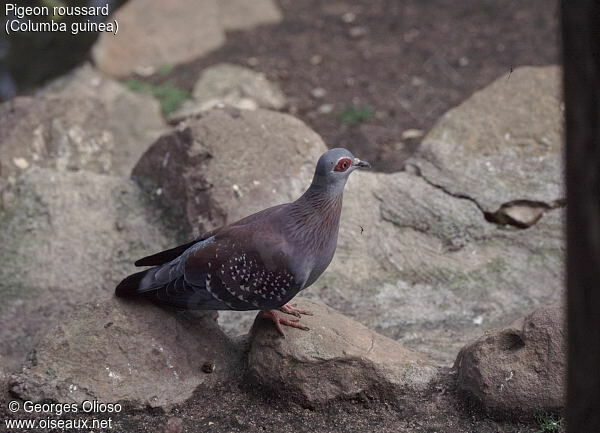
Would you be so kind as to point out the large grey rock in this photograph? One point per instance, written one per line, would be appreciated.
(153, 33)
(502, 144)
(337, 358)
(233, 85)
(81, 121)
(229, 164)
(520, 368)
(429, 270)
(132, 352)
(66, 238)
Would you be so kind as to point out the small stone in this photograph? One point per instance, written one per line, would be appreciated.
(463, 61)
(411, 35)
(520, 213)
(252, 61)
(21, 163)
(350, 82)
(349, 17)
(244, 104)
(358, 32)
(208, 367)
(316, 60)
(318, 92)
(236, 190)
(145, 71)
(417, 81)
(409, 134)
(325, 108)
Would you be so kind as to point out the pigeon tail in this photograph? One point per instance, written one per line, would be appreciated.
(131, 285)
(165, 256)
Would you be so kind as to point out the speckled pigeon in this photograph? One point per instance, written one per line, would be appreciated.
(259, 262)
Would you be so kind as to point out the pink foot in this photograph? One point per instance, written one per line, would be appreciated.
(291, 309)
(278, 320)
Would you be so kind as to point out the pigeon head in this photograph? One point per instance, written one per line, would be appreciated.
(333, 169)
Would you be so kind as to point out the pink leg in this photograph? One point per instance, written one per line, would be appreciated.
(291, 309)
(278, 320)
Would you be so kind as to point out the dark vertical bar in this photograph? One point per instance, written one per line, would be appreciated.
(581, 60)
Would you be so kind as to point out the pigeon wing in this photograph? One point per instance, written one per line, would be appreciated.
(245, 269)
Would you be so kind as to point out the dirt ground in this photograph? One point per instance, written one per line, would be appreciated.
(231, 409)
(387, 66)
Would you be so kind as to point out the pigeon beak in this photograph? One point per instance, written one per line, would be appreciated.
(361, 164)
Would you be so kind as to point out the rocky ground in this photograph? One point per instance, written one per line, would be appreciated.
(441, 311)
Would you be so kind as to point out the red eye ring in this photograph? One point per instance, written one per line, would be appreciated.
(343, 164)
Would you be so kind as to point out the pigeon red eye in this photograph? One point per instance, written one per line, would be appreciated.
(343, 164)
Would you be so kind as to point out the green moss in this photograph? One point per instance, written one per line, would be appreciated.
(165, 69)
(357, 114)
(549, 423)
(169, 97)
(51, 373)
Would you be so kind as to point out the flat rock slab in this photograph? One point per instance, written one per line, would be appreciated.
(83, 121)
(417, 257)
(337, 358)
(66, 238)
(502, 144)
(153, 33)
(519, 368)
(427, 269)
(130, 352)
(229, 164)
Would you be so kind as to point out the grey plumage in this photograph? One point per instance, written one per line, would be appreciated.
(259, 262)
